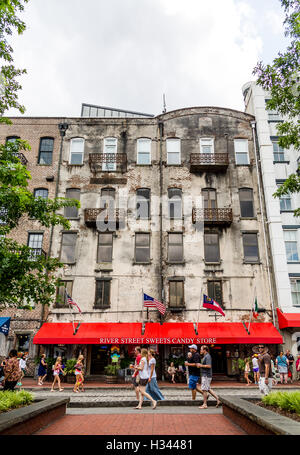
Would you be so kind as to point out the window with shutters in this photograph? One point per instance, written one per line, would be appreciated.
(211, 247)
(142, 247)
(175, 247)
(105, 246)
(61, 297)
(72, 193)
(209, 196)
(214, 291)
(102, 297)
(176, 294)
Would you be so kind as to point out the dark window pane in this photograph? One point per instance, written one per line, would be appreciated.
(46, 151)
(209, 199)
(250, 247)
(72, 193)
(102, 294)
(211, 248)
(105, 247)
(214, 291)
(175, 248)
(176, 294)
(246, 203)
(41, 192)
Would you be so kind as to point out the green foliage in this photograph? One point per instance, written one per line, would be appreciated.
(10, 400)
(238, 365)
(281, 80)
(70, 366)
(112, 369)
(289, 401)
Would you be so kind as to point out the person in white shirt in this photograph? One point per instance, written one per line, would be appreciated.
(22, 364)
(152, 386)
(143, 369)
(255, 368)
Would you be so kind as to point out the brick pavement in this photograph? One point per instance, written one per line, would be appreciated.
(143, 424)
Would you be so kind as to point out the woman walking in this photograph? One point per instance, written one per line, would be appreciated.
(152, 386)
(12, 371)
(143, 369)
(255, 368)
(56, 370)
(78, 374)
(22, 363)
(247, 371)
(42, 371)
(282, 365)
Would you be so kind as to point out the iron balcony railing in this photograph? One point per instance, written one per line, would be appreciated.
(114, 216)
(212, 216)
(206, 161)
(108, 162)
(35, 252)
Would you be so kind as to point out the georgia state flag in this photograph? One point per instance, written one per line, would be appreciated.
(212, 304)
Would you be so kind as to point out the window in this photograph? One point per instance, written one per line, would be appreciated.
(142, 247)
(250, 247)
(278, 152)
(109, 152)
(291, 247)
(206, 145)
(68, 247)
(209, 199)
(241, 151)
(295, 288)
(144, 151)
(72, 193)
(76, 150)
(108, 199)
(214, 291)
(272, 115)
(61, 298)
(46, 151)
(246, 202)
(23, 341)
(211, 247)
(143, 204)
(176, 294)
(105, 245)
(173, 151)
(41, 192)
(285, 201)
(102, 299)
(35, 242)
(175, 203)
(12, 139)
(175, 247)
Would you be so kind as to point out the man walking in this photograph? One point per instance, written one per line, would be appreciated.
(194, 371)
(206, 377)
(265, 370)
(291, 360)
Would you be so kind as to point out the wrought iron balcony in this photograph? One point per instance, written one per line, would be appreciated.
(108, 162)
(208, 162)
(115, 217)
(212, 216)
(35, 252)
(22, 158)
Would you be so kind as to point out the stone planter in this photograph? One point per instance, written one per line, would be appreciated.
(32, 418)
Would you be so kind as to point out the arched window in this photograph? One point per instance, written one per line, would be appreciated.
(46, 150)
(41, 192)
(175, 203)
(12, 138)
(76, 150)
(246, 202)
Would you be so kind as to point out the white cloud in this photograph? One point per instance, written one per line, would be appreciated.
(128, 53)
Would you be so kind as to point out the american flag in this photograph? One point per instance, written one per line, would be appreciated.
(71, 302)
(151, 302)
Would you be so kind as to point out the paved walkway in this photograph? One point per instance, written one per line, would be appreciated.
(143, 423)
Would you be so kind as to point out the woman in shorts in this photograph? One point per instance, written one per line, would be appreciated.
(56, 370)
(255, 368)
(78, 374)
(143, 369)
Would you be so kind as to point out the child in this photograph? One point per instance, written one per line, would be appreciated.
(172, 371)
(247, 371)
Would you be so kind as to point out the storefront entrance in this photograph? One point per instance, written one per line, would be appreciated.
(99, 359)
(218, 356)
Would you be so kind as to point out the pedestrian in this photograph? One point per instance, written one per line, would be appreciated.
(247, 371)
(172, 371)
(42, 371)
(152, 386)
(56, 369)
(206, 377)
(22, 363)
(298, 367)
(291, 360)
(282, 365)
(194, 372)
(255, 366)
(12, 371)
(135, 376)
(78, 373)
(265, 370)
(143, 369)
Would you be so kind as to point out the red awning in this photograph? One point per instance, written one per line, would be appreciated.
(155, 333)
(288, 319)
(235, 333)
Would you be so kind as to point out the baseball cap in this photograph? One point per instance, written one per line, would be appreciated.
(193, 346)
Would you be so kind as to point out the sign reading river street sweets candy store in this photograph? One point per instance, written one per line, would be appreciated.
(149, 340)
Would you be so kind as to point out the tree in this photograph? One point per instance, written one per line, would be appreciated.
(281, 80)
(25, 276)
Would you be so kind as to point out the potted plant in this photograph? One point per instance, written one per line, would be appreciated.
(239, 367)
(111, 373)
(70, 369)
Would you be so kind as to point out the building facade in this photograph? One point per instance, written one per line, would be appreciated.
(284, 228)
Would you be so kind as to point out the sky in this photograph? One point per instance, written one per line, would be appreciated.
(128, 53)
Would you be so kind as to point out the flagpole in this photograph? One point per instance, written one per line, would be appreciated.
(142, 306)
(201, 299)
(70, 311)
(251, 315)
